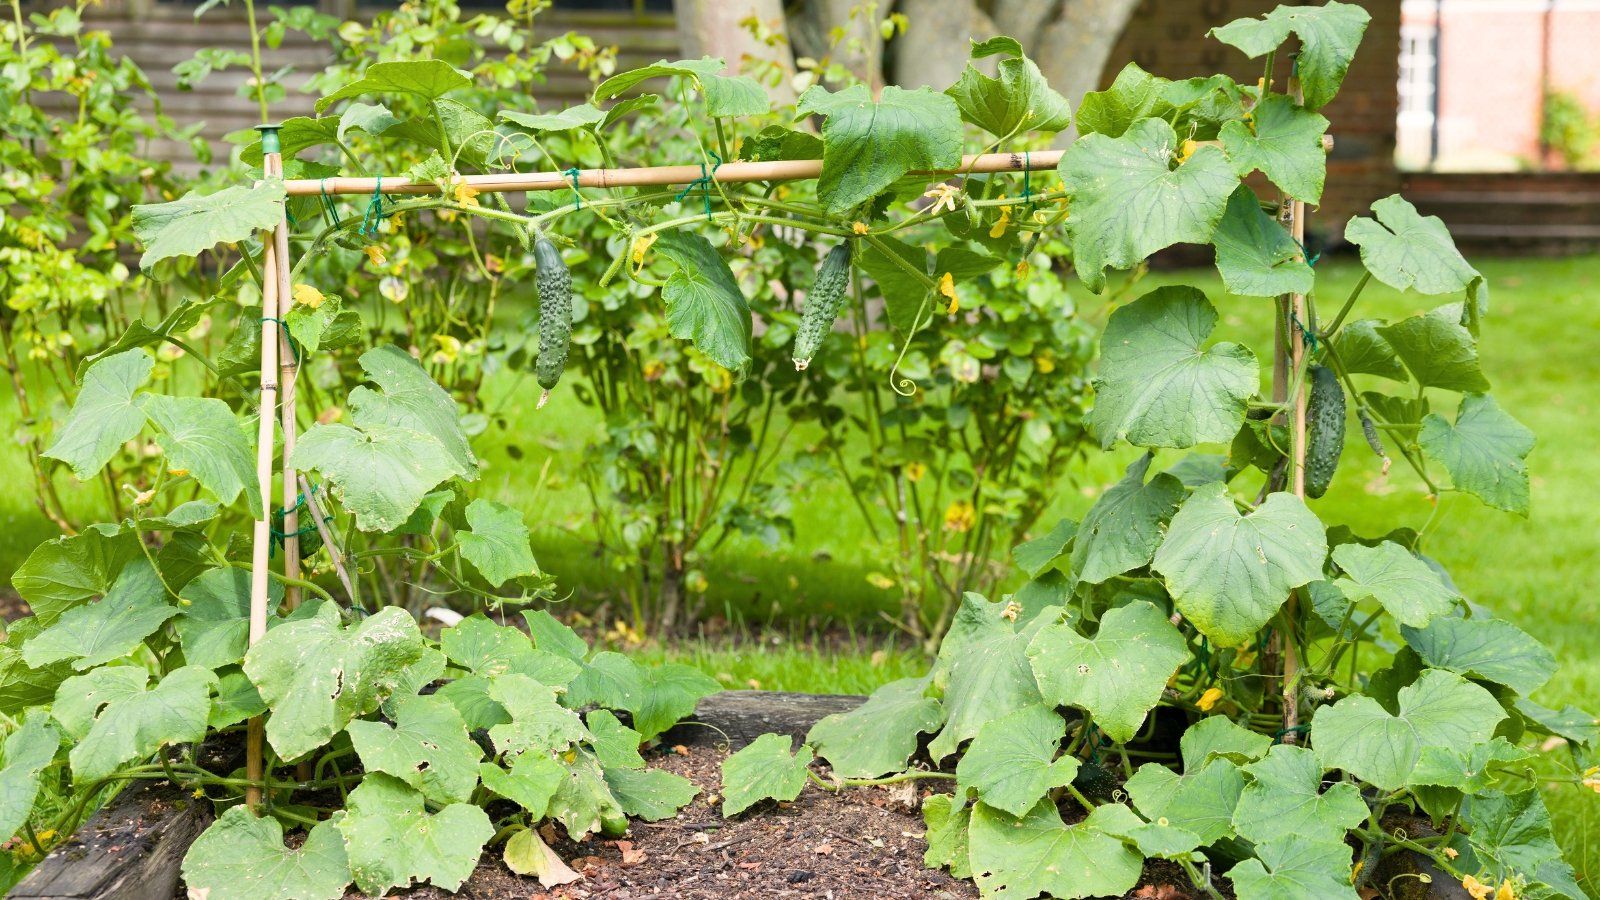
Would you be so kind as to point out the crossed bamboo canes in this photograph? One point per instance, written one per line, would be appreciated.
(280, 363)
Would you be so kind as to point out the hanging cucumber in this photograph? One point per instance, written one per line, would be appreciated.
(822, 304)
(1369, 429)
(555, 313)
(1324, 430)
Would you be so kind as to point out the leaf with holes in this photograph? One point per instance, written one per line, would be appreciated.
(394, 842)
(242, 857)
(1439, 710)
(428, 748)
(1485, 452)
(1157, 387)
(105, 415)
(1129, 197)
(1013, 762)
(1039, 854)
(879, 736)
(1118, 675)
(134, 722)
(316, 675)
(538, 723)
(1229, 573)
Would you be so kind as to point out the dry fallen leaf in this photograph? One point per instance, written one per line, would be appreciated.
(822, 849)
(630, 856)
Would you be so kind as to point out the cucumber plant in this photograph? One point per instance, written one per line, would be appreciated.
(1323, 681)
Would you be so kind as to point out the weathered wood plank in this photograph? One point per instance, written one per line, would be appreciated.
(129, 850)
(739, 717)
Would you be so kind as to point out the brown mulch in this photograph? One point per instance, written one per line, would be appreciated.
(860, 843)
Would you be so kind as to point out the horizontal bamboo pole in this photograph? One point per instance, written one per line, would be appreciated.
(783, 170)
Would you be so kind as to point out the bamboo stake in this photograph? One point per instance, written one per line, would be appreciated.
(261, 557)
(782, 170)
(288, 370)
(1296, 303)
(314, 506)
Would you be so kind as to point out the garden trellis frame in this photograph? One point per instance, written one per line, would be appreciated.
(280, 364)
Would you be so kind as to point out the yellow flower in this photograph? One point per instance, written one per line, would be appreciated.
(915, 471)
(1451, 852)
(1477, 889)
(1506, 891)
(654, 369)
(641, 246)
(1001, 224)
(960, 516)
(466, 194)
(1023, 268)
(1186, 150)
(1591, 778)
(493, 263)
(374, 254)
(1045, 363)
(944, 197)
(859, 227)
(880, 581)
(947, 287)
(308, 296)
(177, 473)
(1245, 659)
(1011, 610)
(1356, 872)
(1209, 699)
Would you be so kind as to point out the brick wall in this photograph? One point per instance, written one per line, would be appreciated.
(1168, 37)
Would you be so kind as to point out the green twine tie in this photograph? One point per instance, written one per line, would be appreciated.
(294, 345)
(577, 196)
(704, 183)
(1307, 336)
(330, 209)
(374, 214)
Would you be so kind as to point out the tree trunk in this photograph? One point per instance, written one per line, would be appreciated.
(711, 28)
(1072, 50)
(934, 49)
(811, 23)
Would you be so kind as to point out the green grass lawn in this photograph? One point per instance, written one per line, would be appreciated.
(1541, 348)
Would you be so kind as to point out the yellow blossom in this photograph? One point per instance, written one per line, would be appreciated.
(915, 471)
(944, 197)
(1023, 268)
(641, 246)
(177, 473)
(1209, 699)
(1045, 363)
(493, 263)
(1001, 224)
(960, 516)
(1451, 852)
(466, 194)
(374, 254)
(947, 288)
(1011, 610)
(1506, 891)
(859, 227)
(654, 369)
(880, 581)
(1476, 889)
(1356, 872)
(1186, 150)
(307, 296)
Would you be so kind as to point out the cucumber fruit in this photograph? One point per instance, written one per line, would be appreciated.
(554, 283)
(1324, 430)
(822, 303)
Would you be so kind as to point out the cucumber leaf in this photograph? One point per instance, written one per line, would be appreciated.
(1487, 649)
(242, 857)
(1039, 854)
(132, 722)
(1123, 529)
(879, 736)
(1013, 763)
(726, 95)
(497, 544)
(1285, 796)
(428, 748)
(1284, 141)
(1485, 452)
(1255, 255)
(650, 794)
(1118, 675)
(201, 436)
(1407, 587)
(1408, 251)
(868, 145)
(768, 769)
(1329, 35)
(428, 79)
(26, 752)
(1295, 867)
(105, 415)
(1017, 100)
(195, 223)
(704, 302)
(114, 626)
(394, 842)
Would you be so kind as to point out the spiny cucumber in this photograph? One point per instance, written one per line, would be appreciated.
(555, 313)
(1369, 429)
(822, 304)
(1324, 430)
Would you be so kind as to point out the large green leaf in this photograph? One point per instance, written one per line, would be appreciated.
(868, 145)
(1406, 250)
(1255, 255)
(584, 115)
(1118, 675)
(552, 636)
(1123, 528)
(1285, 796)
(295, 135)
(316, 675)
(1484, 452)
(380, 473)
(726, 95)
(428, 79)
(1295, 867)
(132, 724)
(1511, 836)
(584, 802)
(1157, 387)
(948, 828)
(1135, 94)
(1039, 554)
(704, 303)
(1488, 649)
(615, 745)
(1229, 573)
(1363, 351)
(1437, 349)
(26, 752)
(81, 697)
(393, 841)
(983, 670)
(670, 693)
(1439, 710)
(96, 633)
(491, 650)
(538, 723)
(1570, 722)
(1201, 801)
(768, 769)
(530, 781)
(242, 857)
(879, 736)
(1475, 769)
(105, 415)
(1013, 762)
(408, 398)
(1017, 101)
(1284, 141)
(214, 626)
(1329, 35)
(201, 436)
(1129, 197)
(428, 748)
(650, 794)
(1038, 854)
(237, 699)
(1407, 587)
(905, 295)
(1220, 736)
(497, 544)
(195, 223)
(65, 571)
